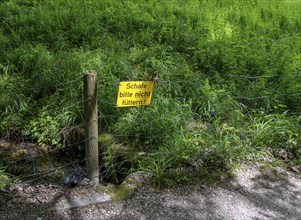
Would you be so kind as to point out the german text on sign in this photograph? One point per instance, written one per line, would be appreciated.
(134, 93)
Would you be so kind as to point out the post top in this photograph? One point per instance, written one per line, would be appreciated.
(91, 72)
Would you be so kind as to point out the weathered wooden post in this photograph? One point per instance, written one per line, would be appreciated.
(91, 129)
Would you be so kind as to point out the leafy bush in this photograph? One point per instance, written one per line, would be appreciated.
(44, 129)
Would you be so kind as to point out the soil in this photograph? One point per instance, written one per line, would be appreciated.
(252, 193)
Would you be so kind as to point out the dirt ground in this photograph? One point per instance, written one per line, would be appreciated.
(253, 193)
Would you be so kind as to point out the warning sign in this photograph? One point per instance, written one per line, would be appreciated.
(134, 93)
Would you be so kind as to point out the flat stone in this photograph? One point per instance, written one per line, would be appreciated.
(80, 201)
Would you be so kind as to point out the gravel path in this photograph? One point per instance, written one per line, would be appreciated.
(250, 195)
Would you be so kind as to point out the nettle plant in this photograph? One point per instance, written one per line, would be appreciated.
(45, 129)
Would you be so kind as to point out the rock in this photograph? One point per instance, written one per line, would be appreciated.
(117, 193)
(136, 180)
(296, 168)
(84, 182)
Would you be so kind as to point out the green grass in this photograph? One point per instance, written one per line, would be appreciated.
(229, 72)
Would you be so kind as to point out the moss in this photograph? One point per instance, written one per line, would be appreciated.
(117, 193)
(105, 138)
(26, 160)
(131, 183)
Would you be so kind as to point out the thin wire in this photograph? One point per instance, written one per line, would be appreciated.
(254, 77)
(45, 173)
(51, 85)
(267, 96)
(102, 116)
(47, 152)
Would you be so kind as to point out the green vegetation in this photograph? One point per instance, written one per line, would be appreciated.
(229, 88)
(4, 178)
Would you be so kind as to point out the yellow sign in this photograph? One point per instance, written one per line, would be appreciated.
(134, 93)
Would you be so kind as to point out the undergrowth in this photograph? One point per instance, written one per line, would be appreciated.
(228, 87)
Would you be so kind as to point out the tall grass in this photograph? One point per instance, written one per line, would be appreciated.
(228, 69)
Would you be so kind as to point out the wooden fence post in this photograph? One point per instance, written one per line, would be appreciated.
(91, 129)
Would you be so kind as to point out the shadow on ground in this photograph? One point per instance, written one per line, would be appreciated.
(34, 205)
(250, 195)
